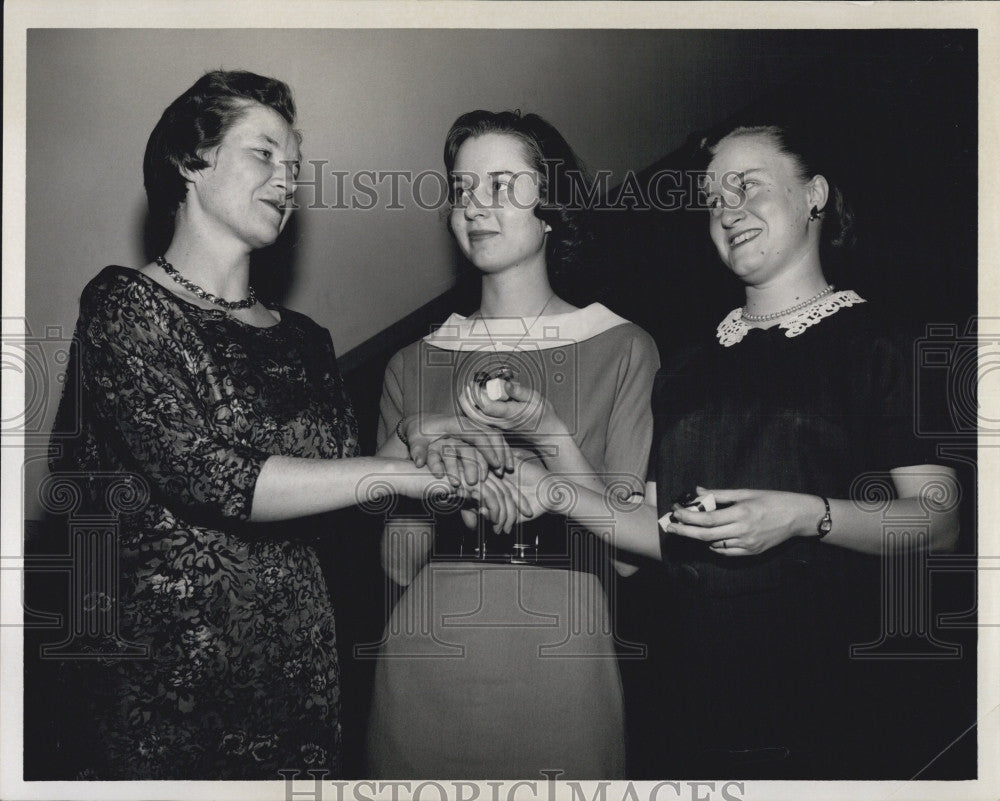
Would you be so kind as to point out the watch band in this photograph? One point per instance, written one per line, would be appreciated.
(825, 522)
(400, 434)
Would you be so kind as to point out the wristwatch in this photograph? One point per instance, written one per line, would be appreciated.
(825, 522)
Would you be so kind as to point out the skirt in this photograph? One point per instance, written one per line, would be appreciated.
(498, 671)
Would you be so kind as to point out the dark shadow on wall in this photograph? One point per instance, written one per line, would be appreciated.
(902, 129)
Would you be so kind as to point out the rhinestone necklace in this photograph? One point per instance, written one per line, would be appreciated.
(763, 318)
(228, 305)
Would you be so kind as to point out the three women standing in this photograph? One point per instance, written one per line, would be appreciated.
(232, 413)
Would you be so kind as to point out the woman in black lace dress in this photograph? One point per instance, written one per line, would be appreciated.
(800, 396)
(231, 414)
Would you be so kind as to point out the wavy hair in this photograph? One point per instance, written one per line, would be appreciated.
(560, 169)
(195, 123)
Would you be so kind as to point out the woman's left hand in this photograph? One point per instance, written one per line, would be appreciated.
(503, 501)
(456, 448)
(753, 522)
(525, 412)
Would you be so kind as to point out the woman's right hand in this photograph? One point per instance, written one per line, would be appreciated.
(525, 412)
(514, 497)
(456, 448)
(502, 500)
(493, 498)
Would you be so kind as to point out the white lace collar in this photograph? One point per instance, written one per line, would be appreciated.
(732, 329)
(506, 334)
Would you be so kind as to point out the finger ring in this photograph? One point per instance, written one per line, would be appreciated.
(724, 545)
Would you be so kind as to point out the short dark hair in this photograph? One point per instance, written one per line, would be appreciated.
(559, 167)
(810, 159)
(196, 122)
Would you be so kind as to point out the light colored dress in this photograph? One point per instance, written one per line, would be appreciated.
(498, 670)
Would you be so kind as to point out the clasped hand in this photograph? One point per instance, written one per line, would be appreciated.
(749, 522)
(499, 482)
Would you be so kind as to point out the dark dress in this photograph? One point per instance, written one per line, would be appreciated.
(757, 676)
(242, 677)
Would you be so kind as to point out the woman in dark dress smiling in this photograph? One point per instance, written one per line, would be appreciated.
(801, 395)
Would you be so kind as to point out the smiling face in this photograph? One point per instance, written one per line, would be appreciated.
(245, 192)
(760, 209)
(495, 192)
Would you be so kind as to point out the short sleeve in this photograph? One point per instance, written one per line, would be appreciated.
(139, 375)
(891, 432)
(652, 469)
(390, 408)
(673, 377)
(630, 425)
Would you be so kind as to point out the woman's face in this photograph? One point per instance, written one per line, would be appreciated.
(495, 193)
(246, 190)
(760, 209)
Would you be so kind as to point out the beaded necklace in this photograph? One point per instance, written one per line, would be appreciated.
(229, 305)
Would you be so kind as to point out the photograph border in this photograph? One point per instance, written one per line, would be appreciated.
(22, 15)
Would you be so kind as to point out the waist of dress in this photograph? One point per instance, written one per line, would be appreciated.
(797, 565)
(546, 542)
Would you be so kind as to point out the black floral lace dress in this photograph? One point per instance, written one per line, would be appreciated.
(242, 676)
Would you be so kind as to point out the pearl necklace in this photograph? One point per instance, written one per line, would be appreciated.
(732, 329)
(763, 318)
(228, 305)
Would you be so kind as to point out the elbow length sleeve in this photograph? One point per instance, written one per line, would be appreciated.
(141, 383)
(891, 437)
(390, 408)
(630, 427)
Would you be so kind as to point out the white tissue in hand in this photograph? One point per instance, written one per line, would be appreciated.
(703, 503)
(496, 389)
